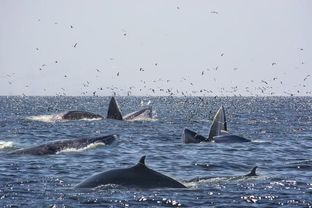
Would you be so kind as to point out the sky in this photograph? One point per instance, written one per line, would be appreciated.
(147, 48)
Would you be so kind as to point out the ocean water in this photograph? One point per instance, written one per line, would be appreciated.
(280, 129)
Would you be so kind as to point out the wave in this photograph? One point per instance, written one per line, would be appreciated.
(90, 146)
(258, 141)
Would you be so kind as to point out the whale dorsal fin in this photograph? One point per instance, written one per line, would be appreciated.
(218, 123)
(142, 160)
(253, 172)
(141, 163)
(114, 110)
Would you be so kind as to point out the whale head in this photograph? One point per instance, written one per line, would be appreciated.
(114, 111)
(218, 124)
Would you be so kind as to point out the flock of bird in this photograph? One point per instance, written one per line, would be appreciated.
(161, 86)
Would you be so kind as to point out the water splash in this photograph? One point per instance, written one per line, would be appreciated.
(6, 144)
(46, 118)
(147, 103)
(90, 146)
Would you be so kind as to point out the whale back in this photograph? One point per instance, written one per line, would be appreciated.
(43, 149)
(83, 142)
(114, 111)
(138, 176)
(54, 147)
(218, 124)
(77, 115)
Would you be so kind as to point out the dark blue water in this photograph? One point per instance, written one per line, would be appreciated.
(280, 128)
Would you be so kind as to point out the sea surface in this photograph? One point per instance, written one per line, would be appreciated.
(280, 129)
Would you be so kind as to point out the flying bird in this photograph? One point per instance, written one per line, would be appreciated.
(264, 81)
(306, 77)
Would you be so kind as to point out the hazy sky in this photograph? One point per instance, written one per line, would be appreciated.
(156, 47)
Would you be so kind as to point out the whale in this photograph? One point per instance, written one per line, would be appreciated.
(252, 173)
(137, 176)
(114, 112)
(218, 132)
(57, 146)
(77, 115)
